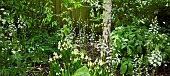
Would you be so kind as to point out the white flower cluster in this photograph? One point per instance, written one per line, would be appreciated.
(110, 59)
(21, 23)
(12, 27)
(154, 26)
(139, 67)
(94, 3)
(56, 56)
(155, 58)
(64, 45)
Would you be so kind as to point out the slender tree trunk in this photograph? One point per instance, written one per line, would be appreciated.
(107, 23)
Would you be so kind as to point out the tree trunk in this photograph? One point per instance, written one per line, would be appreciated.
(107, 23)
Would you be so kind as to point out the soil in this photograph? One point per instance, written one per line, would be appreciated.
(164, 70)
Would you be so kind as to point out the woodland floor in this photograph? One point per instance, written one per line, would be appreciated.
(161, 71)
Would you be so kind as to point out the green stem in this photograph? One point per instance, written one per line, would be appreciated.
(153, 72)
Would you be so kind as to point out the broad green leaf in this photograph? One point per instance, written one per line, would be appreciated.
(129, 51)
(130, 68)
(131, 42)
(83, 71)
(123, 68)
(139, 49)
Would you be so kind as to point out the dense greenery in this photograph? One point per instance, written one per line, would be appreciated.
(32, 42)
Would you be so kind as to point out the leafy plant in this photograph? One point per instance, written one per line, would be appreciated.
(128, 43)
(27, 35)
(83, 71)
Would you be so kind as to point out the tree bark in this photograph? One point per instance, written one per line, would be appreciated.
(107, 23)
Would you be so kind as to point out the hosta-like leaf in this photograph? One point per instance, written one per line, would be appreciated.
(123, 68)
(83, 71)
(130, 68)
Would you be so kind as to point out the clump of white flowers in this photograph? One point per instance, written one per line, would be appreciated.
(155, 58)
(56, 56)
(94, 3)
(64, 45)
(154, 26)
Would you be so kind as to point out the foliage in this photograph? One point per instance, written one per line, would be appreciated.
(26, 35)
(83, 71)
(128, 43)
(30, 37)
(135, 12)
(134, 43)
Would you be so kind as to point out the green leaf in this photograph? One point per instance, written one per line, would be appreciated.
(131, 42)
(123, 68)
(139, 49)
(119, 32)
(83, 71)
(129, 51)
(118, 43)
(123, 45)
(130, 69)
(167, 50)
(131, 36)
(139, 37)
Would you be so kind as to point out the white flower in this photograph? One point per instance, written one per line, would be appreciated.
(116, 55)
(55, 54)
(90, 63)
(82, 55)
(165, 64)
(3, 21)
(109, 57)
(13, 52)
(60, 56)
(61, 69)
(101, 62)
(118, 60)
(159, 63)
(19, 49)
(57, 74)
(155, 60)
(2, 9)
(76, 51)
(86, 57)
(10, 34)
(50, 59)
(113, 61)
(154, 65)
(59, 45)
(107, 61)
